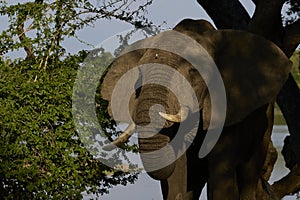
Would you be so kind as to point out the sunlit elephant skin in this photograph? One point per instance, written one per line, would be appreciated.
(253, 71)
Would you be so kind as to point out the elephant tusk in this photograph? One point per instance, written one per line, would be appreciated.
(179, 117)
(121, 139)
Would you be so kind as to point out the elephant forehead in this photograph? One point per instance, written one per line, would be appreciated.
(176, 83)
(159, 56)
(178, 73)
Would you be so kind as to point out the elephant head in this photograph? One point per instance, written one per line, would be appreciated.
(252, 69)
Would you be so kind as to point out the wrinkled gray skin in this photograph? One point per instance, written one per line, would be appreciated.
(253, 71)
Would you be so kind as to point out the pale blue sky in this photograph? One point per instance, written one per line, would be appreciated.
(170, 11)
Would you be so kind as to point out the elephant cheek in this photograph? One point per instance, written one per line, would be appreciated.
(158, 156)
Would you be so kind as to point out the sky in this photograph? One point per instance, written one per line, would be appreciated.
(169, 11)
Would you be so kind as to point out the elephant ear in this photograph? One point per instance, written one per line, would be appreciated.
(117, 69)
(252, 68)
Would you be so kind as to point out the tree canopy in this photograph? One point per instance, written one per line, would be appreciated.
(50, 22)
(41, 154)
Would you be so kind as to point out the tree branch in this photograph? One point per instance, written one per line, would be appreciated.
(22, 39)
(288, 184)
(291, 38)
(267, 21)
(226, 14)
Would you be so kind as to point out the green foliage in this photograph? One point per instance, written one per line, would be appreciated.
(87, 89)
(41, 156)
(296, 66)
(41, 153)
(278, 117)
(40, 26)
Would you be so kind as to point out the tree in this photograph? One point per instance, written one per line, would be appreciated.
(41, 154)
(267, 21)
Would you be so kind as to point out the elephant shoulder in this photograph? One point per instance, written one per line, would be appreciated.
(253, 70)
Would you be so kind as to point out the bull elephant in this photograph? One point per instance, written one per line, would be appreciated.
(252, 70)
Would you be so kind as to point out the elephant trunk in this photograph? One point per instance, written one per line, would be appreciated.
(156, 153)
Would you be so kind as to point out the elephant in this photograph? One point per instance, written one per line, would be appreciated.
(252, 71)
